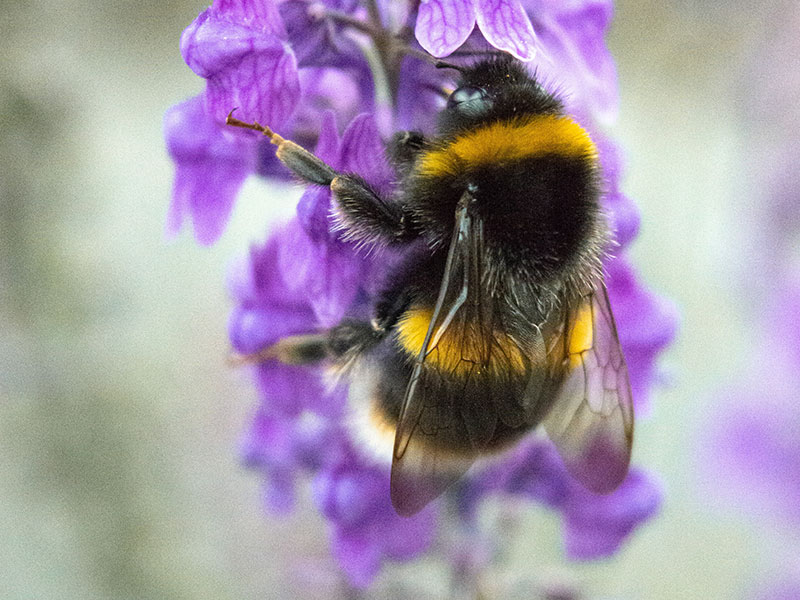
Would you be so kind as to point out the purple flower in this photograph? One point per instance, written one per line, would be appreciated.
(595, 525)
(239, 48)
(568, 44)
(646, 324)
(575, 58)
(444, 25)
(354, 496)
(316, 39)
(242, 50)
(783, 588)
(750, 452)
(211, 163)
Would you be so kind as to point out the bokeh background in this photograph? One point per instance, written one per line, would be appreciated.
(119, 420)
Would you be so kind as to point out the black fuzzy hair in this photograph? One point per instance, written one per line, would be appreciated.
(511, 92)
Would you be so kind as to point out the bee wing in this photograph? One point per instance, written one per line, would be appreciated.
(421, 466)
(591, 419)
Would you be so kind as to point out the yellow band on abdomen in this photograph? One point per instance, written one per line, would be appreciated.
(463, 349)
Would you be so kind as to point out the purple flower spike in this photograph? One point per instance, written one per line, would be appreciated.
(211, 164)
(239, 48)
(443, 25)
(300, 67)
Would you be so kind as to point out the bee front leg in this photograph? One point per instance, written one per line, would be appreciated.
(367, 218)
(299, 160)
(361, 212)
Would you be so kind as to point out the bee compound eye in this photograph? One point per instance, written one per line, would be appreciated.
(468, 99)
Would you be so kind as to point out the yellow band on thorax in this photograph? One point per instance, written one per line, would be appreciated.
(509, 141)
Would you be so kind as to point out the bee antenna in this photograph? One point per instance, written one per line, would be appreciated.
(440, 64)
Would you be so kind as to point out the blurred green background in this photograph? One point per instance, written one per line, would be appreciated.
(119, 420)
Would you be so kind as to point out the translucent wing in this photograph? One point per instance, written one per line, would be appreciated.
(591, 420)
(450, 411)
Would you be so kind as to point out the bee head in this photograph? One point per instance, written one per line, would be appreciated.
(495, 89)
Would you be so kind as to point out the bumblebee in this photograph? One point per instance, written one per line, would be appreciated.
(496, 319)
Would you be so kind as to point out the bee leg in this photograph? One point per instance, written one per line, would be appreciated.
(404, 147)
(362, 213)
(299, 160)
(342, 341)
(353, 337)
(365, 216)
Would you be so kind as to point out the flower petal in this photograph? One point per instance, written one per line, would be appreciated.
(443, 25)
(262, 15)
(246, 65)
(328, 272)
(576, 58)
(211, 165)
(597, 524)
(362, 152)
(418, 102)
(506, 26)
(646, 324)
(359, 559)
(316, 39)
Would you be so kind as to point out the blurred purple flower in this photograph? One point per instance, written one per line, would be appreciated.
(646, 324)
(595, 525)
(354, 496)
(783, 587)
(574, 55)
(316, 39)
(211, 163)
(298, 66)
(750, 452)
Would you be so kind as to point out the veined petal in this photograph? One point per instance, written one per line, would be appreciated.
(506, 26)
(443, 25)
(255, 14)
(245, 64)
